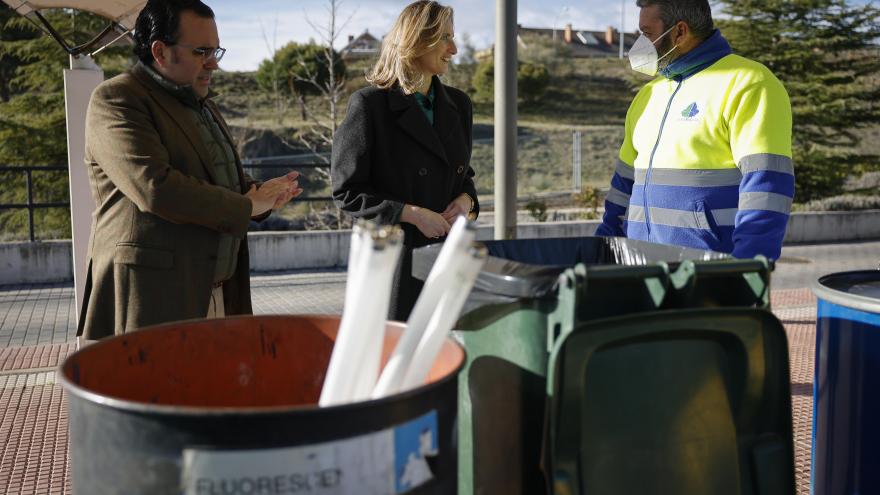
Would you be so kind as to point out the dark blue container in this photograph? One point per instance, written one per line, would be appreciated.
(846, 386)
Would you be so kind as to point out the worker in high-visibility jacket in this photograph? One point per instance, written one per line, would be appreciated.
(706, 157)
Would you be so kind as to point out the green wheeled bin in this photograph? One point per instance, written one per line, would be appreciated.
(531, 292)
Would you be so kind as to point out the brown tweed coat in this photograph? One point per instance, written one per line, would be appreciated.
(159, 212)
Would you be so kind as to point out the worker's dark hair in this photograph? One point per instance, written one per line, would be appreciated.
(160, 21)
(695, 13)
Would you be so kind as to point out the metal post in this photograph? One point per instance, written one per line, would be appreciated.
(622, 30)
(576, 160)
(79, 82)
(579, 162)
(30, 204)
(505, 119)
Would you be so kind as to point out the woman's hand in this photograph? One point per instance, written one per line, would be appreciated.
(461, 205)
(431, 224)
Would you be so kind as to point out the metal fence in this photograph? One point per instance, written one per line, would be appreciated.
(31, 206)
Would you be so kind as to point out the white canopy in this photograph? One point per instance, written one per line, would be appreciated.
(123, 12)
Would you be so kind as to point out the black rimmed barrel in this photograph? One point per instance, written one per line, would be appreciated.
(846, 407)
(228, 406)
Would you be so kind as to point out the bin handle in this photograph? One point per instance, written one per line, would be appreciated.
(755, 271)
(658, 270)
(654, 276)
(757, 264)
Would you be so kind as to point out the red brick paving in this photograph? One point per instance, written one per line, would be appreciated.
(796, 309)
(792, 298)
(33, 435)
(38, 356)
(33, 417)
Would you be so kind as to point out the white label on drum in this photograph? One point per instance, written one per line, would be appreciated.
(386, 462)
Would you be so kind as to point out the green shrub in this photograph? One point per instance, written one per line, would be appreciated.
(589, 199)
(537, 209)
(532, 81)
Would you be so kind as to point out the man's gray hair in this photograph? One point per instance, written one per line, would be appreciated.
(695, 13)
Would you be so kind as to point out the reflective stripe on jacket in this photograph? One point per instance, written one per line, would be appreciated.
(706, 162)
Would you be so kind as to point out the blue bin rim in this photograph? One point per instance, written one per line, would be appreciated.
(842, 298)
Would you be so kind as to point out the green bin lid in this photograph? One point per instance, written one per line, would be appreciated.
(682, 402)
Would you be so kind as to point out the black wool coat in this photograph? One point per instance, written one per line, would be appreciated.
(386, 154)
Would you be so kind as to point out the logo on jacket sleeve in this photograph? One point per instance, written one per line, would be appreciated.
(690, 113)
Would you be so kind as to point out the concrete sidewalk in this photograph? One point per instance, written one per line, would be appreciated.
(37, 328)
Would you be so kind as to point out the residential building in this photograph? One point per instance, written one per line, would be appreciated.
(580, 43)
(364, 46)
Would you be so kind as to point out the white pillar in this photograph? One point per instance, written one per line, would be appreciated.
(79, 82)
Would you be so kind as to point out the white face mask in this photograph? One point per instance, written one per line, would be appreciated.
(643, 54)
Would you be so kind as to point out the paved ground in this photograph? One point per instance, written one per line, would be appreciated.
(801, 265)
(37, 327)
(44, 314)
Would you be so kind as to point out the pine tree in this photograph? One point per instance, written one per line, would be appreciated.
(825, 53)
(9, 62)
(32, 117)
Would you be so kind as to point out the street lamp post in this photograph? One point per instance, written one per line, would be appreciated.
(622, 19)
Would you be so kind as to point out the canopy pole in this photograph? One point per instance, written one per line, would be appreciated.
(505, 119)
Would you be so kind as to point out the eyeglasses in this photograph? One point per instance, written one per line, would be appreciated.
(207, 53)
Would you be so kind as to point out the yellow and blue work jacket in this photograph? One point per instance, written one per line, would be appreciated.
(706, 157)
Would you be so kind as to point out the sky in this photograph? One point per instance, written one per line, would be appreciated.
(249, 29)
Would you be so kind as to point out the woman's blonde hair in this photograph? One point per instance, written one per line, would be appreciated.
(419, 28)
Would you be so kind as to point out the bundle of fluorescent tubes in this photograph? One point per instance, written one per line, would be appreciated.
(354, 364)
(373, 255)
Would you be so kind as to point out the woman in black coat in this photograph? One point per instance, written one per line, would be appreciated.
(402, 154)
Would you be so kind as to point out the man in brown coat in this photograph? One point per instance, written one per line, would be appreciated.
(168, 237)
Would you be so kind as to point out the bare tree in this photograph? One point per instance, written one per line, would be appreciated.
(272, 48)
(331, 88)
(319, 135)
(296, 70)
